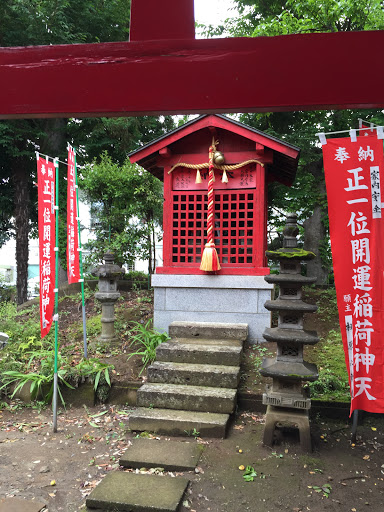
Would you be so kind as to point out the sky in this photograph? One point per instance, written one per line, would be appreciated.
(212, 12)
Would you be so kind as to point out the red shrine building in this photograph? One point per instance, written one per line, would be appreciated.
(234, 189)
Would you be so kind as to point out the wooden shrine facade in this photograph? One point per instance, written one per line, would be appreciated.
(240, 203)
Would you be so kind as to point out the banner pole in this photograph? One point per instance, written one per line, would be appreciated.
(81, 263)
(355, 418)
(56, 316)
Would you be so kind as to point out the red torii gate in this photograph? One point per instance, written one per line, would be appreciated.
(164, 70)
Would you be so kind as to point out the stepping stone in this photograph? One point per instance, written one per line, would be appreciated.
(128, 492)
(178, 423)
(170, 455)
(20, 505)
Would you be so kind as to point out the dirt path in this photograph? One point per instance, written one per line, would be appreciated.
(61, 469)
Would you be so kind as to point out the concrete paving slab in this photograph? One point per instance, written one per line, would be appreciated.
(170, 455)
(128, 492)
(20, 505)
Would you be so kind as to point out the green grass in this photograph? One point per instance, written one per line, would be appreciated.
(333, 376)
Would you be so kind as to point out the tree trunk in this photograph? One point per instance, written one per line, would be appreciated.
(315, 232)
(314, 236)
(21, 176)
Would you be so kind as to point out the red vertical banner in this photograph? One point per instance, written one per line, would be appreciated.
(73, 266)
(354, 174)
(46, 223)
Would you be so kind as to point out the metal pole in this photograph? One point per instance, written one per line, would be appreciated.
(56, 316)
(355, 418)
(81, 264)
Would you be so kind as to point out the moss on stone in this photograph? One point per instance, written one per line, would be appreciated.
(293, 253)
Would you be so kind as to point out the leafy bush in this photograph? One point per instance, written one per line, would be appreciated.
(29, 360)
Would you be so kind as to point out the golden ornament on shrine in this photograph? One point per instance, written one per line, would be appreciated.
(218, 158)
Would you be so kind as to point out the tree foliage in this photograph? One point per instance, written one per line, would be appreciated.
(44, 22)
(308, 195)
(127, 203)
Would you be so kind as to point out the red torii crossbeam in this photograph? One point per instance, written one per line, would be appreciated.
(170, 75)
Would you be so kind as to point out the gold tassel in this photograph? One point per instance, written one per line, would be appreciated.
(198, 176)
(224, 179)
(210, 259)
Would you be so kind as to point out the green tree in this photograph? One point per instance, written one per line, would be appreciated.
(36, 22)
(127, 203)
(32, 22)
(308, 195)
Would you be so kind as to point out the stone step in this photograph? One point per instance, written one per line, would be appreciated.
(169, 455)
(178, 423)
(190, 398)
(221, 352)
(219, 376)
(129, 492)
(208, 330)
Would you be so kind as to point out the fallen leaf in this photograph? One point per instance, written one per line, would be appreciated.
(53, 482)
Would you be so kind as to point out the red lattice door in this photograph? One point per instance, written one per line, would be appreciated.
(234, 227)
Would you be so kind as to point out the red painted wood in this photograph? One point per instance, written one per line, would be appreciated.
(162, 19)
(185, 179)
(260, 271)
(259, 248)
(167, 219)
(155, 77)
(232, 152)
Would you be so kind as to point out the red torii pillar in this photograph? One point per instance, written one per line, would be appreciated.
(164, 70)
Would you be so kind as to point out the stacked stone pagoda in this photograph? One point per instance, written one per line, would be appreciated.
(286, 399)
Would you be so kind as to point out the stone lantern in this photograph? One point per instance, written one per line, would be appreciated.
(286, 399)
(108, 275)
(3, 340)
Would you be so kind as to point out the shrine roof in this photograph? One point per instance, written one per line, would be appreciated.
(282, 168)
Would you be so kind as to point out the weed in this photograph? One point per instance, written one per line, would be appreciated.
(249, 474)
(192, 433)
(257, 355)
(145, 299)
(146, 339)
(325, 490)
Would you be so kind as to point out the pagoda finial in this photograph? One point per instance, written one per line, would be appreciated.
(290, 231)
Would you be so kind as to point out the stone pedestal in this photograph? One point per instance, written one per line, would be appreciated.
(212, 298)
(108, 275)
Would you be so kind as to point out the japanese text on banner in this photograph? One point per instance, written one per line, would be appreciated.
(354, 177)
(73, 266)
(46, 223)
